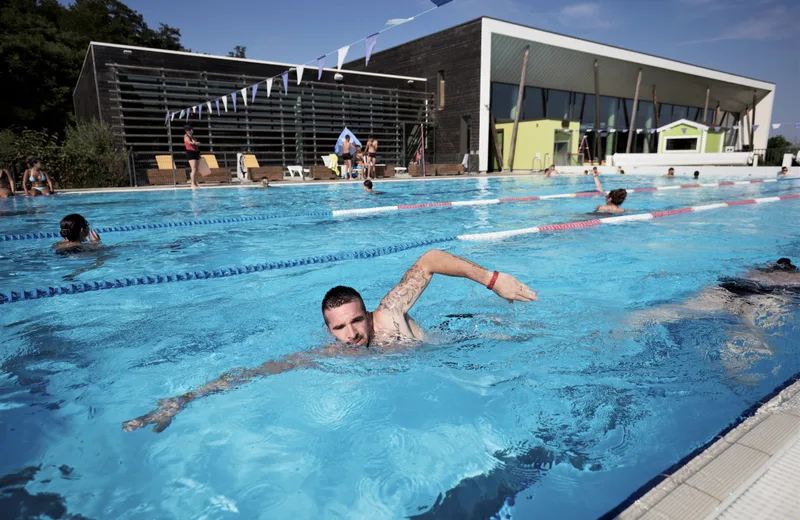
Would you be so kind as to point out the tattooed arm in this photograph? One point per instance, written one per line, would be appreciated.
(400, 299)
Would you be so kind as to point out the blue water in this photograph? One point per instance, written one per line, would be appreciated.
(554, 409)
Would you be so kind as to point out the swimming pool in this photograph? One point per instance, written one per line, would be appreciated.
(555, 409)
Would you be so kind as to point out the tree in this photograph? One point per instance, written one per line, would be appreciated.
(238, 52)
(42, 47)
(778, 141)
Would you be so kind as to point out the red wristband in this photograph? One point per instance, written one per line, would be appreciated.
(493, 280)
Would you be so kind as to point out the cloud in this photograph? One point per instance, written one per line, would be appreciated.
(584, 15)
(771, 24)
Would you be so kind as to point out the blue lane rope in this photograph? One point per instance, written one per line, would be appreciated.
(160, 225)
(119, 283)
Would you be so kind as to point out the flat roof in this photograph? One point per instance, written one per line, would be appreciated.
(247, 60)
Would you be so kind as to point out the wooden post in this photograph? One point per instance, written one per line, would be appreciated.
(705, 108)
(597, 111)
(498, 152)
(520, 95)
(171, 157)
(632, 123)
(655, 105)
(717, 120)
(752, 132)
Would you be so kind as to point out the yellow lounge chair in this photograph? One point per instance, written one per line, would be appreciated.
(257, 173)
(217, 174)
(163, 174)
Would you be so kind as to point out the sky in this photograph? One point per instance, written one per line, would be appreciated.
(754, 38)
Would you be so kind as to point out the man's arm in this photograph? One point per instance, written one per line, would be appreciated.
(162, 416)
(405, 294)
(597, 183)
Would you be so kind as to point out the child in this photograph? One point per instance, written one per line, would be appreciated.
(75, 230)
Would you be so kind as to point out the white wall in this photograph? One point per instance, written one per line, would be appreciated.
(763, 120)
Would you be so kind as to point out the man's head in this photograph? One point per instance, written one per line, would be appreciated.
(368, 185)
(616, 197)
(696, 175)
(671, 172)
(347, 317)
(785, 264)
(586, 172)
(188, 129)
(74, 228)
(347, 138)
(784, 170)
(594, 169)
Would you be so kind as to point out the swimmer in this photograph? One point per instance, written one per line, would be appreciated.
(265, 183)
(784, 172)
(550, 171)
(368, 188)
(357, 330)
(595, 172)
(6, 184)
(586, 172)
(670, 173)
(76, 233)
(696, 175)
(614, 199)
(40, 182)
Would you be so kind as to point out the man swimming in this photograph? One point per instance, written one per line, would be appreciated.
(670, 173)
(346, 317)
(614, 198)
(368, 188)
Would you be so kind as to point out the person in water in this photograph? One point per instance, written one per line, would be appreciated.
(670, 173)
(696, 175)
(6, 184)
(76, 232)
(40, 182)
(784, 172)
(614, 198)
(387, 328)
(368, 188)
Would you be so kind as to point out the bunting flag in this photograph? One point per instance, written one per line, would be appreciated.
(755, 127)
(638, 130)
(776, 126)
(172, 117)
(683, 130)
(440, 3)
(613, 130)
(208, 104)
(300, 70)
(187, 115)
(233, 99)
(225, 102)
(285, 78)
(397, 21)
(269, 87)
(199, 111)
(217, 102)
(624, 130)
(255, 89)
(166, 119)
(653, 130)
(182, 112)
(244, 95)
(716, 128)
(342, 55)
(797, 125)
(194, 109)
(320, 66)
(371, 40)
(589, 130)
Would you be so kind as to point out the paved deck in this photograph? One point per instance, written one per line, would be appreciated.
(752, 472)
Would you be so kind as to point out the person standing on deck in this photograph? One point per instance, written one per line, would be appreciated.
(372, 152)
(347, 155)
(192, 153)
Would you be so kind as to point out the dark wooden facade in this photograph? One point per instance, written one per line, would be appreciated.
(132, 89)
(454, 53)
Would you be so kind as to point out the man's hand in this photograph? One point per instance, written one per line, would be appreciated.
(509, 288)
(161, 417)
(94, 237)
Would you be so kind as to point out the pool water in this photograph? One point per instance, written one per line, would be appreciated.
(555, 409)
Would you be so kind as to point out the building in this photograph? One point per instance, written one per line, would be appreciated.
(133, 88)
(476, 70)
(576, 107)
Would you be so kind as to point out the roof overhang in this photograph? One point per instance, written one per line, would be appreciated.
(687, 122)
(565, 63)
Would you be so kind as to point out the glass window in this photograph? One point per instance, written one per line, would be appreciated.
(681, 144)
(557, 104)
(645, 115)
(694, 113)
(710, 115)
(679, 112)
(664, 114)
(624, 113)
(608, 112)
(533, 106)
(588, 114)
(504, 101)
(576, 106)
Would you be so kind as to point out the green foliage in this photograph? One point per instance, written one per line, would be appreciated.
(778, 141)
(42, 47)
(238, 52)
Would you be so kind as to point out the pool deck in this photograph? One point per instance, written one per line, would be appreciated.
(750, 472)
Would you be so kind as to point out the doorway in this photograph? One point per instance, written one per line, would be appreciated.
(561, 148)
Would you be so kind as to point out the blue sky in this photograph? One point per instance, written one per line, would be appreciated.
(754, 38)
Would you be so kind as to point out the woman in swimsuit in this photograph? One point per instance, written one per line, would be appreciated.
(6, 185)
(75, 230)
(192, 152)
(40, 183)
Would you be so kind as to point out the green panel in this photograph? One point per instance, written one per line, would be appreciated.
(714, 141)
(677, 131)
(537, 137)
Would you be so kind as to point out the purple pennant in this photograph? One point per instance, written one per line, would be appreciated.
(440, 3)
(285, 77)
(320, 66)
(187, 114)
(716, 128)
(755, 127)
(255, 89)
(166, 119)
(233, 97)
(217, 102)
(371, 40)
(683, 130)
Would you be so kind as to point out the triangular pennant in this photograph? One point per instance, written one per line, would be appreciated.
(320, 66)
(225, 102)
(187, 115)
(285, 78)
(638, 130)
(233, 99)
(683, 130)
(398, 21)
(613, 130)
(300, 70)
(797, 125)
(166, 119)
(440, 3)
(716, 128)
(755, 127)
(217, 102)
(182, 112)
(269, 87)
(208, 104)
(342, 55)
(775, 126)
(194, 109)
(653, 130)
(199, 111)
(172, 116)
(371, 40)
(255, 89)
(244, 95)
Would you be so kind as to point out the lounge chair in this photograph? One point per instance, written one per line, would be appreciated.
(446, 169)
(217, 174)
(163, 174)
(296, 170)
(322, 173)
(257, 173)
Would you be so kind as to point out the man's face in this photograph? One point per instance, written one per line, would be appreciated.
(671, 172)
(350, 323)
(594, 170)
(785, 171)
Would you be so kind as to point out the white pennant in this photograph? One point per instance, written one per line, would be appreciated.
(244, 95)
(208, 104)
(300, 70)
(342, 55)
(172, 117)
(194, 109)
(269, 86)
(775, 126)
(225, 102)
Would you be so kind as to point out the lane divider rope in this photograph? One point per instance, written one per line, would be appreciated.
(50, 292)
(369, 211)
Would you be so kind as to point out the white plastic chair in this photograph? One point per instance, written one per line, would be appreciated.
(297, 171)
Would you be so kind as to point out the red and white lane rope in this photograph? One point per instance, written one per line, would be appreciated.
(500, 235)
(489, 202)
